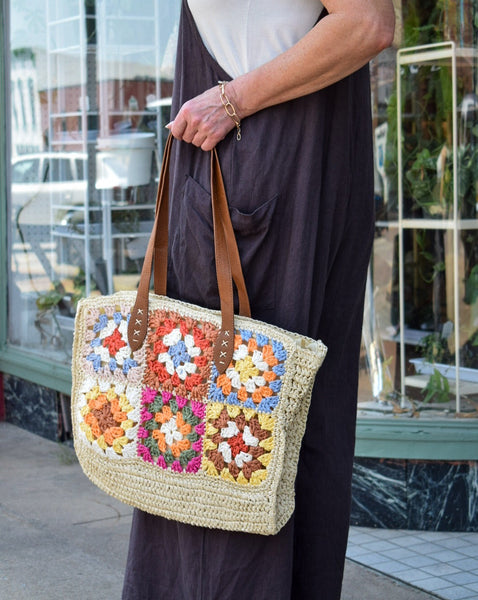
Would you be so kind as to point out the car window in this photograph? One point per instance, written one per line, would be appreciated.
(26, 171)
(57, 170)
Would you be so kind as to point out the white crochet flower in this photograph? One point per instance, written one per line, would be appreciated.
(108, 330)
(226, 452)
(230, 431)
(171, 433)
(259, 361)
(241, 458)
(248, 438)
(171, 339)
(192, 349)
(241, 352)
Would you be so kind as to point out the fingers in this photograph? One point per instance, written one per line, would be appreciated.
(188, 124)
(177, 127)
(199, 139)
(203, 138)
(209, 144)
(202, 121)
(181, 132)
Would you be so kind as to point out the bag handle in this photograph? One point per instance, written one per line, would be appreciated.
(161, 240)
(228, 265)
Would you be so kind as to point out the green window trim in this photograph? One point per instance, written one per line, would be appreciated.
(3, 177)
(41, 371)
(418, 439)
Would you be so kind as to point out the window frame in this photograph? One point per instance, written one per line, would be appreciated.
(13, 360)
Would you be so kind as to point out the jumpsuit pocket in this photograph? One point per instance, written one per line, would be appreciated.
(257, 235)
(192, 249)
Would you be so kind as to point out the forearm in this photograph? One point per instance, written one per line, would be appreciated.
(338, 45)
(351, 34)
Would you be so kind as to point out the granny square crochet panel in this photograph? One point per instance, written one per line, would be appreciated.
(253, 379)
(179, 354)
(161, 429)
(171, 431)
(238, 443)
(109, 416)
(106, 351)
(181, 416)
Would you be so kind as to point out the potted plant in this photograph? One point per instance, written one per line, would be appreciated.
(55, 312)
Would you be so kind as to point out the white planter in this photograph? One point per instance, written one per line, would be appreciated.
(422, 367)
(124, 160)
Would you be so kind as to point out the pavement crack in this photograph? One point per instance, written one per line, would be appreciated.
(118, 516)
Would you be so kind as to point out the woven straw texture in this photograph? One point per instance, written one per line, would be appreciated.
(161, 430)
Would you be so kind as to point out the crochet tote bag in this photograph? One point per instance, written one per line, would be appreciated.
(193, 414)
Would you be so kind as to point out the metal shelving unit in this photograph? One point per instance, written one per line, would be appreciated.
(451, 66)
(104, 82)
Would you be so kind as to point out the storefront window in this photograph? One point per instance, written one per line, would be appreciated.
(420, 351)
(90, 88)
(90, 92)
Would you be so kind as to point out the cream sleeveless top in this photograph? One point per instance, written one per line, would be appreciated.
(244, 34)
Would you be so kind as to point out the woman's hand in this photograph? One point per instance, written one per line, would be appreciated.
(202, 121)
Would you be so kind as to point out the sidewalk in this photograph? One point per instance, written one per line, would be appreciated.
(61, 538)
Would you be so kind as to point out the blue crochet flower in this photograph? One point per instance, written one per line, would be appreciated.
(279, 370)
(128, 364)
(179, 354)
(245, 334)
(101, 324)
(95, 359)
(279, 351)
(275, 385)
(268, 404)
(262, 340)
(215, 393)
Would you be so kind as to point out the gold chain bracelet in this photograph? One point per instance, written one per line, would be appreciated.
(229, 108)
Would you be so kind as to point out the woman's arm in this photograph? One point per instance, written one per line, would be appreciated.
(351, 34)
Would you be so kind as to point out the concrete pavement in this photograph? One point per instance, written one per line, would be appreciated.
(63, 539)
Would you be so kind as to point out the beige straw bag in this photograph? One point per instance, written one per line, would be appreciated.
(189, 413)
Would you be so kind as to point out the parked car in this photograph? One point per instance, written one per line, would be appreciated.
(40, 182)
(50, 194)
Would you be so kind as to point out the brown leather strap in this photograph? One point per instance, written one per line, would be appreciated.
(161, 244)
(237, 275)
(228, 265)
(224, 346)
(138, 322)
(162, 216)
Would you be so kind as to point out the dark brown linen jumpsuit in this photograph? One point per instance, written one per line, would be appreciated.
(300, 190)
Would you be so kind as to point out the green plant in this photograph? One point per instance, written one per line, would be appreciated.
(47, 305)
(469, 352)
(54, 302)
(434, 348)
(58, 296)
(435, 266)
(50, 299)
(471, 286)
(437, 388)
(422, 179)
